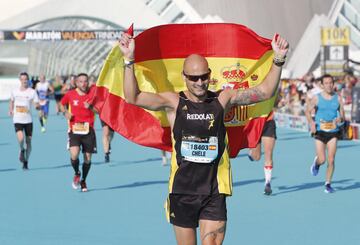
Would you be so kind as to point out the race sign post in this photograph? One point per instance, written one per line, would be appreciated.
(334, 50)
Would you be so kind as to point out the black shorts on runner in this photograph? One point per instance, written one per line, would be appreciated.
(27, 127)
(186, 210)
(87, 141)
(325, 137)
(58, 97)
(269, 129)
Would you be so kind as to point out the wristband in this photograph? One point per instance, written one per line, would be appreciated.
(279, 61)
(128, 62)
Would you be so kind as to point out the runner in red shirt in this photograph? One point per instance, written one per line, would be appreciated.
(268, 139)
(80, 114)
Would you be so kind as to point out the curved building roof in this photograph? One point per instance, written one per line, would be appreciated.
(286, 17)
(115, 13)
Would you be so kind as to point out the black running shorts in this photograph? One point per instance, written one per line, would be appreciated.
(87, 141)
(325, 137)
(58, 97)
(27, 127)
(269, 129)
(186, 210)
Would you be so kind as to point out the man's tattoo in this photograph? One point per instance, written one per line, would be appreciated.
(215, 233)
(250, 96)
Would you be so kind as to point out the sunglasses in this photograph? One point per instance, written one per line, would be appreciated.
(195, 78)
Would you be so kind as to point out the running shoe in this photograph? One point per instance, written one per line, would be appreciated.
(250, 158)
(76, 181)
(25, 165)
(43, 129)
(83, 186)
(314, 169)
(107, 157)
(22, 156)
(267, 190)
(329, 189)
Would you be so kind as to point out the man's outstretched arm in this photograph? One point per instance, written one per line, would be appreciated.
(267, 88)
(133, 95)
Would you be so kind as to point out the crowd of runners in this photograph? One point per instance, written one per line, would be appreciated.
(73, 101)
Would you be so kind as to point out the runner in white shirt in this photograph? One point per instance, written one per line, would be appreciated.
(20, 109)
(43, 89)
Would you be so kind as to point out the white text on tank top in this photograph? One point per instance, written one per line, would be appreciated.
(196, 148)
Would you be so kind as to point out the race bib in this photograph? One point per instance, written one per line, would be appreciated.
(199, 150)
(21, 109)
(327, 126)
(80, 128)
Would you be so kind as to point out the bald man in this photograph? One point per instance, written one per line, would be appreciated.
(200, 177)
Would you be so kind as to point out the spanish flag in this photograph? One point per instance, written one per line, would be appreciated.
(237, 56)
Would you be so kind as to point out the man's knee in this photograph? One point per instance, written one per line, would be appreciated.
(215, 235)
(87, 158)
(74, 152)
(28, 140)
(331, 160)
(320, 160)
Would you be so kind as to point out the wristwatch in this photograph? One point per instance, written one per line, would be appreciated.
(129, 62)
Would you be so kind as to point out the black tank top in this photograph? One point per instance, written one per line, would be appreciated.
(199, 141)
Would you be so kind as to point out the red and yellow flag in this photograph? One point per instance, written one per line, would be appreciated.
(237, 56)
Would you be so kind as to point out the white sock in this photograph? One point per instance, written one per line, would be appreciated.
(268, 173)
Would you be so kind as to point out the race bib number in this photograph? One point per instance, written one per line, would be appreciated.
(21, 109)
(81, 128)
(327, 126)
(199, 150)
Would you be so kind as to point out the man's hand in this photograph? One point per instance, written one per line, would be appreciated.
(127, 46)
(11, 113)
(87, 105)
(280, 46)
(312, 127)
(67, 115)
(338, 121)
